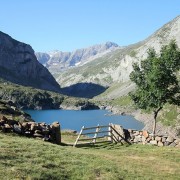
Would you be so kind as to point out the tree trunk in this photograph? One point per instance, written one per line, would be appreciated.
(155, 118)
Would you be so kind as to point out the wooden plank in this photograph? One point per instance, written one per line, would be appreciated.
(95, 132)
(120, 135)
(115, 138)
(88, 139)
(102, 141)
(84, 143)
(78, 137)
(96, 127)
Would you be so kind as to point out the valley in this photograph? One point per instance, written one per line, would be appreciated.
(88, 78)
(90, 90)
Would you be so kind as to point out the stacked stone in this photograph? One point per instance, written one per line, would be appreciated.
(6, 125)
(32, 129)
(144, 137)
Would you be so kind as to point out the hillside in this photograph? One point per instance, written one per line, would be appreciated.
(19, 65)
(25, 97)
(115, 67)
(57, 61)
(26, 158)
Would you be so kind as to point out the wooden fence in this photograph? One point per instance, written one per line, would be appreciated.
(111, 133)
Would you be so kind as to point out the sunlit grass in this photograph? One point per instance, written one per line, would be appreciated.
(27, 158)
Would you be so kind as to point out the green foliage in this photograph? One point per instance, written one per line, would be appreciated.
(156, 80)
(133, 53)
(30, 98)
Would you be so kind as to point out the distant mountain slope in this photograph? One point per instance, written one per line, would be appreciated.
(18, 64)
(116, 66)
(57, 61)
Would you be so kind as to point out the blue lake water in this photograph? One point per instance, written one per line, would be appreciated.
(71, 119)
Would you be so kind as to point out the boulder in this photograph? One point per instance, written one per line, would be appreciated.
(135, 133)
(148, 139)
(135, 140)
(3, 118)
(153, 142)
(177, 141)
(11, 122)
(170, 139)
(17, 129)
(157, 138)
(173, 144)
(160, 144)
(178, 146)
(46, 139)
(34, 127)
(28, 133)
(38, 135)
(37, 132)
(45, 131)
(143, 139)
(145, 134)
(167, 143)
(163, 139)
(55, 133)
(7, 126)
(25, 125)
(130, 130)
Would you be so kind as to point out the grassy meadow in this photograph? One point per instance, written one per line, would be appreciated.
(27, 158)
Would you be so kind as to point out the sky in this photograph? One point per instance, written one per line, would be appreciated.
(67, 25)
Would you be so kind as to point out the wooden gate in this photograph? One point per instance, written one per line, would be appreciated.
(111, 133)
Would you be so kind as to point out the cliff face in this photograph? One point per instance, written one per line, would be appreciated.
(18, 64)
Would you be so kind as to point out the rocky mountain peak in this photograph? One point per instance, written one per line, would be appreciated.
(110, 44)
(19, 64)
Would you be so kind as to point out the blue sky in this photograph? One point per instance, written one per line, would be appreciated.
(67, 25)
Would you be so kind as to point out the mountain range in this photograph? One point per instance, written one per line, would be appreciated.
(112, 69)
(57, 61)
(104, 67)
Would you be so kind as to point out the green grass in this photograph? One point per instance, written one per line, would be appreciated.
(24, 158)
(169, 115)
(122, 101)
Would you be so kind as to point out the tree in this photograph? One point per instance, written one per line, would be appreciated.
(156, 80)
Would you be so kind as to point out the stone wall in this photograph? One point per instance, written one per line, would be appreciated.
(42, 131)
(144, 137)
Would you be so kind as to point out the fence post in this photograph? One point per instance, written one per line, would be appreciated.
(110, 132)
(96, 133)
(78, 137)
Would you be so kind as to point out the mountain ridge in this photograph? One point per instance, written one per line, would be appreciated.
(57, 60)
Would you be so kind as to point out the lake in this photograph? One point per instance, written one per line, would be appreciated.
(71, 119)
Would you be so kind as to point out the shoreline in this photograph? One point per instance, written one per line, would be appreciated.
(146, 119)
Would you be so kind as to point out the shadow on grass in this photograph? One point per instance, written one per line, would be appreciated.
(101, 145)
